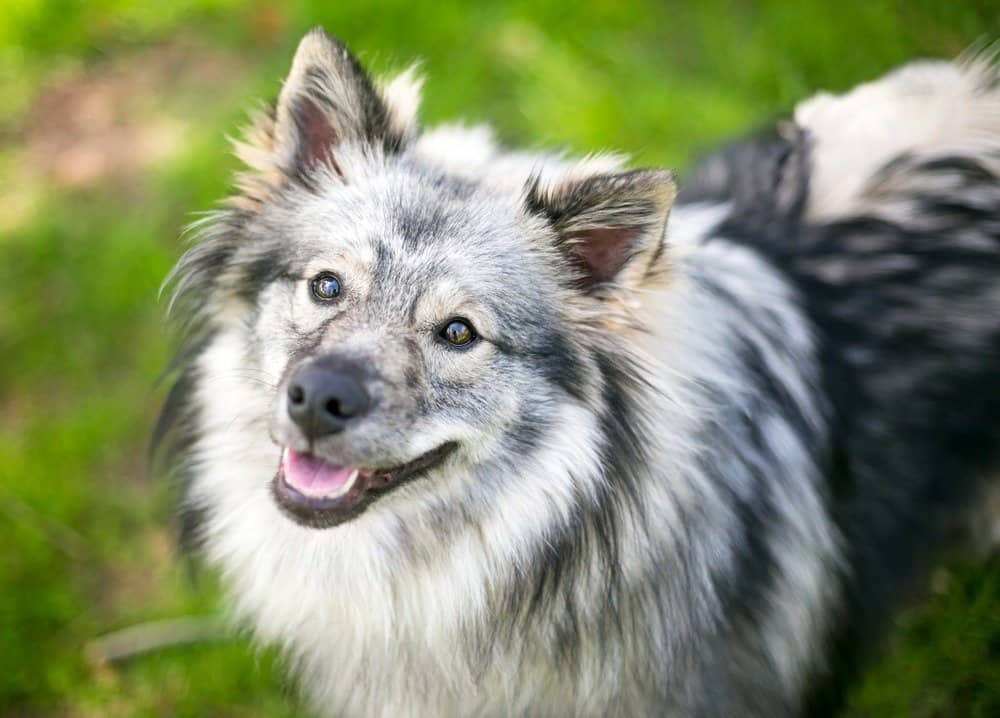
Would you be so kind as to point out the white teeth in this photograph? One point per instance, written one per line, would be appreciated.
(345, 487)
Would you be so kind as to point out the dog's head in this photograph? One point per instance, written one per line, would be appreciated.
(402, 312)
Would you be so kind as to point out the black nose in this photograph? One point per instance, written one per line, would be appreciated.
(322, 399)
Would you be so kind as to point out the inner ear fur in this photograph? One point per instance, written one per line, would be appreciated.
(611, 227)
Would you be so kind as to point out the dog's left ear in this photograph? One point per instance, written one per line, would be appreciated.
(328, 100)
(611, 227)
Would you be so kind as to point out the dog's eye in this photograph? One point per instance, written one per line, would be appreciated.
(325, 286)
(458, 332)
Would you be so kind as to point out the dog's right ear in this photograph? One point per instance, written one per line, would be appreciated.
(328, 101)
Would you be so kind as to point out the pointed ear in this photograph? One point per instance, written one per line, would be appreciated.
(611, 227)
(328, 100)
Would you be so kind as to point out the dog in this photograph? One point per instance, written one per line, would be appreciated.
(471, 431)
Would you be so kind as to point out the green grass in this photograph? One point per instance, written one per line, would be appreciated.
(89, 537)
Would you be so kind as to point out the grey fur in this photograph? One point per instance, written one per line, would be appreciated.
(641, 515)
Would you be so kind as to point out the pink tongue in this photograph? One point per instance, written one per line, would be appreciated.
(311, 476)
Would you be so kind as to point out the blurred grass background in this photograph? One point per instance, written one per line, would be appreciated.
(112, 123)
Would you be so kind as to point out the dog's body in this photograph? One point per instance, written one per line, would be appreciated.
(679, 468)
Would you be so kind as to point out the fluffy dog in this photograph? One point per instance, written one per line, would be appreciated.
(474, 431)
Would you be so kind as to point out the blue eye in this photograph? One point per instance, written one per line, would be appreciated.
(325, 286)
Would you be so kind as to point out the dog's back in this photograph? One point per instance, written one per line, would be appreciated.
(882, 208)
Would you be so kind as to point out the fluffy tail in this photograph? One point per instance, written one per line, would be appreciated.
(921, 110)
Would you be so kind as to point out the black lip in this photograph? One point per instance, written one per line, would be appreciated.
(326, 513)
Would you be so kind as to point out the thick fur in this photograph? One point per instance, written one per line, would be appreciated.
(700, 460)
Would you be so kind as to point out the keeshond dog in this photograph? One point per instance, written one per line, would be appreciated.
(472, 431)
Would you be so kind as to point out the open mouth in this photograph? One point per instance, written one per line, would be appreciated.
(320, 494)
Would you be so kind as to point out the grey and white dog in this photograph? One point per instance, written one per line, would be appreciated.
(472, 431)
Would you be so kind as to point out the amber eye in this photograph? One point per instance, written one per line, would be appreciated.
(458, 332)
(325, 286)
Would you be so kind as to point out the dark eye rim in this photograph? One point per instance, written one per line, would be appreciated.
(314, 282)
(451, 345)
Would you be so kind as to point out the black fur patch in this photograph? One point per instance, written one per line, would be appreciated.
(905, 314)
(171, 442)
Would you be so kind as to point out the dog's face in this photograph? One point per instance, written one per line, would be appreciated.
(403, 335)
(403, 319)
